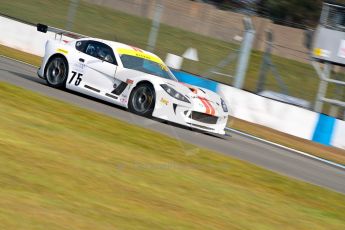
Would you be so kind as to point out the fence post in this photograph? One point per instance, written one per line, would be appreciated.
(151, 43)
(265, 62)
(322, 88)
(245, 52)
(72, 9)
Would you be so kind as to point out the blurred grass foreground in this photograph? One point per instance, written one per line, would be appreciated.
(62, 167)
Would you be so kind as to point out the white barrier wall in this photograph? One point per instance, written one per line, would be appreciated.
(244, 105)
(23, 37)
(283, 117)
(338, 136)
(276, 115)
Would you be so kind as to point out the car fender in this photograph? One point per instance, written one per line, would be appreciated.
(54, 47)
(140, 80)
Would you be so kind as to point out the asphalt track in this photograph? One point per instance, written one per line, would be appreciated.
(264, 155)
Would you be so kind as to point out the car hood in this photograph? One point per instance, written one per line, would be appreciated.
(194, 91)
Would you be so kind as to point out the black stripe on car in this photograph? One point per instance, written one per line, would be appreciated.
(120, 88)
(92, 88)
(111, 96)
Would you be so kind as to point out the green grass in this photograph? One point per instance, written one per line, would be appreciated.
(62, 167)
(326, 152)
(97, 21)
(19, 55)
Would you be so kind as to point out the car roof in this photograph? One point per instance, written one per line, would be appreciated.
(117, 45)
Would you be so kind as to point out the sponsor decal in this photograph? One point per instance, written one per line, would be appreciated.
(129, 81)
(124, 100)
(164, 101)
(79, 66)
(322, 53)
(209, 108)
(62, 51)
(163, 67)
(137, 49)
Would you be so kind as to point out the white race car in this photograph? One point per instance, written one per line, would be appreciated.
(130, 77)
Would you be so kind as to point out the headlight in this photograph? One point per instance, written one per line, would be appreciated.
(172, 92)
(225, 108)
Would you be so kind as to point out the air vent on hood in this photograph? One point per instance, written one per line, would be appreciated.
(193, 90)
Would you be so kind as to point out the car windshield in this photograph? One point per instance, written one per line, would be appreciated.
(146, 66)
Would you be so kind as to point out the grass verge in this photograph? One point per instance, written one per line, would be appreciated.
(20, 55)
(62, 167)
(323, 151)
(329, 153)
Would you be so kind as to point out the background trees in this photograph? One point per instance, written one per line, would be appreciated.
(296, 13)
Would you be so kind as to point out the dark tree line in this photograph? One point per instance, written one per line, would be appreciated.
(297, 13)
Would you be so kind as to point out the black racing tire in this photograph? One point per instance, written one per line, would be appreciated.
(142, 100)
(56, 72)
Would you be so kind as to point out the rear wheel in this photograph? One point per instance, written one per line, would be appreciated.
(142, 100)
(56, 72)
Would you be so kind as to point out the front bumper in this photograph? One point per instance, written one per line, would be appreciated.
(189, 117)
(201, 121)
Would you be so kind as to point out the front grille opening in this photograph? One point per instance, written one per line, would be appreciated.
(203, 117)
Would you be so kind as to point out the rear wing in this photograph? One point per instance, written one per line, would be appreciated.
(58, 32)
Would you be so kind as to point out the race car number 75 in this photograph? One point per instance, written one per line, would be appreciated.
(78, 80)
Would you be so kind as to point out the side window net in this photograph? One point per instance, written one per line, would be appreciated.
(100, 51)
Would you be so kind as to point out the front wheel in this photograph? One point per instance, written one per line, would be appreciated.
(56, 72)
(142, 100)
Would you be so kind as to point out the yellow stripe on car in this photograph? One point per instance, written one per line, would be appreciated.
(62, 51)
(140, 54)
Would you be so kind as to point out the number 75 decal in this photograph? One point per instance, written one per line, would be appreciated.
(78, 80)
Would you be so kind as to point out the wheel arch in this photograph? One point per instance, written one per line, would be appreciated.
(53, 56)
(141, 82)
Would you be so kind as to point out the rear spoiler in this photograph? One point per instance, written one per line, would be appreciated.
(44, 29)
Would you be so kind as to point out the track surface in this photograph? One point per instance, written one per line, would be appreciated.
(264, 155)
